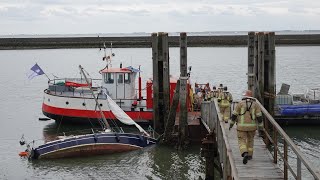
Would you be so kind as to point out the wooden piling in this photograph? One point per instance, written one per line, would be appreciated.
(166, 77)
(260, 67)
(263, 71)
(155, 82)
(161, 80)
(250, 74)
(183, 124)
(272, 72)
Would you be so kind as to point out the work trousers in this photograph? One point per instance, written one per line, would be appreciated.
(225, 113)
(245, 141)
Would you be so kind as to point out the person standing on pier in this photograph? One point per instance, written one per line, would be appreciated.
(215, 92)
(225, 100)
(248, 112)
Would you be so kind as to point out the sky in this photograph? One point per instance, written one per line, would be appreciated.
(128, 16)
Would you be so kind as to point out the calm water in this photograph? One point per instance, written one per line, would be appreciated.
(21, 100)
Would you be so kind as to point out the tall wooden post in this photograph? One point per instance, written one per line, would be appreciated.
(161, 81)
(155, 82)
(264, 70)
(183, 124)
(260, 66)
(272, 72)
(250, 74)
(166, 77)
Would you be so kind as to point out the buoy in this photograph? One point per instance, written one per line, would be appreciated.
(23, 154)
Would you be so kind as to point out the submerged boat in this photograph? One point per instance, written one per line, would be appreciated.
(103, 142)
(298, 108)
(70, 100)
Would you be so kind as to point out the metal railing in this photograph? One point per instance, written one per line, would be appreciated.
(287, 142)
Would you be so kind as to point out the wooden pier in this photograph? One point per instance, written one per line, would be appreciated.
(266, 156)
(261, 166)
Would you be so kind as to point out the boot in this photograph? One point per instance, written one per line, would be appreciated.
(245, 158)
(249, 157)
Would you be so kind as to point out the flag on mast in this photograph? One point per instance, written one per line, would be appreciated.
(35, 71)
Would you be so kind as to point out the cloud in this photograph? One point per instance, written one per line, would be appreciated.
(146, 15)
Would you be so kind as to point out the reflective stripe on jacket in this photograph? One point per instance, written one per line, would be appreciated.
(225, 98)
(247, 111)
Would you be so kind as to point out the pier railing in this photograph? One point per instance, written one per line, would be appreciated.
(272, 135)
(212, 119)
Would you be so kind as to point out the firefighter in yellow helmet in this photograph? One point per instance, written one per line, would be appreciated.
(246, 113)
(225, 100)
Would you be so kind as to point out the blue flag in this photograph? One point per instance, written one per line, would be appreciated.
(35, 71)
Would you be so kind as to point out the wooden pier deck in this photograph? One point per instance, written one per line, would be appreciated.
(261, 166)
(264, 164)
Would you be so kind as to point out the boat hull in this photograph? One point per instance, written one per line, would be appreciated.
(76, 116)
(81, 110)
(92, 144)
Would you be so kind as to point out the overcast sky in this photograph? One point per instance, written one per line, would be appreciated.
(126, 16)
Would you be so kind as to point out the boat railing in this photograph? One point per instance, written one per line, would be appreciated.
(61, 81)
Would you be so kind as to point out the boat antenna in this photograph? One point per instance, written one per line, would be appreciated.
(105, 124)
(107, 58)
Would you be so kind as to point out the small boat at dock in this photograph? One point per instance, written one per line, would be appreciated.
(298, 108)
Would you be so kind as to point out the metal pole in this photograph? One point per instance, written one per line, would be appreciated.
(105, 122)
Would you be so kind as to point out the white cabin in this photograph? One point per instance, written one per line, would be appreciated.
(120, 85)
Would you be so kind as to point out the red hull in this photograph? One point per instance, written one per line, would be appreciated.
(75, 113)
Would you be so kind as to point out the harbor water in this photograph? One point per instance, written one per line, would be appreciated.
(21, 99)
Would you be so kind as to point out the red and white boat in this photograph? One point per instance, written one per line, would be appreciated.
(70, 100)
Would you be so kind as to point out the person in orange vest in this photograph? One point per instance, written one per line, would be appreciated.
(246, 113)
(225, 100)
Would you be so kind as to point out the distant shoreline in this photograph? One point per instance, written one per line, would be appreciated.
(145, 41)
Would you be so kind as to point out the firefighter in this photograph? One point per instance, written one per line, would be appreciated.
(215, 92)
(246, 113)
(220, 88)
(225, 99)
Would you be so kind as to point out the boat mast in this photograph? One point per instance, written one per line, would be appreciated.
(105, 123)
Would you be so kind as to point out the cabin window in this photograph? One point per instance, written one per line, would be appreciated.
(120, 78)
(108, 78)
(127, 78)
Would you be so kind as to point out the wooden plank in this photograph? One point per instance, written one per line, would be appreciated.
(261, 166)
